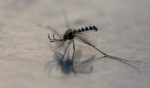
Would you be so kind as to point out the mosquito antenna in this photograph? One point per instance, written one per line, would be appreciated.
(66, 18)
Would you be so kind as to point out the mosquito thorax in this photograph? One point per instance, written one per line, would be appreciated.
(69, 34)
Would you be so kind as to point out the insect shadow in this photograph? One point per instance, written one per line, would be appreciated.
(67, 66)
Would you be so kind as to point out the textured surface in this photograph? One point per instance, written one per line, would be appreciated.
(25, 49)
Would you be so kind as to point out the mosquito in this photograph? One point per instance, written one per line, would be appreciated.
(78, 34)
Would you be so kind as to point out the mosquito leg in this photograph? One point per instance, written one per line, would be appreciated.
(111, 57)
(94, 47)
(54, 39)
(118, 59)
(123, 61)
(54, 36)
(99, 50)
(73, 50)
(68, 52)
(49, 37)
(73, 57)
(66, 49)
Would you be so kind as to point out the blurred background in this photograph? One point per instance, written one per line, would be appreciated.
(25, 49)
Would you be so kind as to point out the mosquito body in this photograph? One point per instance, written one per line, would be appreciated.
(70, 33)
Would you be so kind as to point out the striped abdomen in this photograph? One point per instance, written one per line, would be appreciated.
(87, 29)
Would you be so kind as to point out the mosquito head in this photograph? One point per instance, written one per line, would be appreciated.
(69, 34)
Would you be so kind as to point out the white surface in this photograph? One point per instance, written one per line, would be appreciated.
(25, 49)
